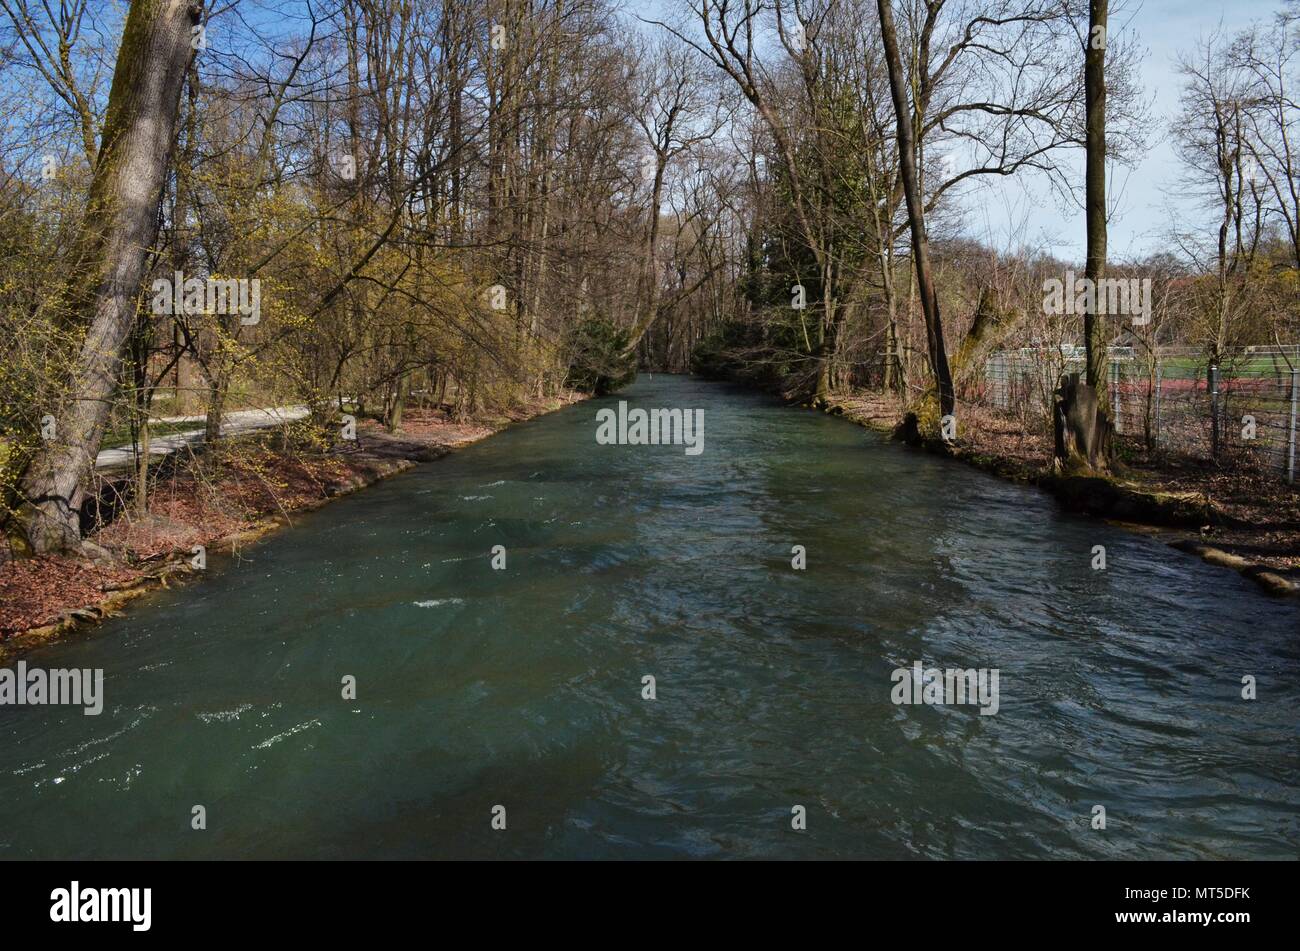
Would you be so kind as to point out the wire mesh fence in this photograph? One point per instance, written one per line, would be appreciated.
(1171, 401)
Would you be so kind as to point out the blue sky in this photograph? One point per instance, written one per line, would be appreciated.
(1145, 209)
(1025, 211)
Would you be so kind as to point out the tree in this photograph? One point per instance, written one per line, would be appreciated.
(121, 224)
(1083, 425)
(671, 112)
(916, 212)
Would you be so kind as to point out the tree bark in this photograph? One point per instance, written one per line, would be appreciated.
(916, 212)
(121, 225)
(1083, 423)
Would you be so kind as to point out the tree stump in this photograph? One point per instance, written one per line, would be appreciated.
(1083, 434)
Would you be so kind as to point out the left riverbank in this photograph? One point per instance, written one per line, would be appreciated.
(249, 489)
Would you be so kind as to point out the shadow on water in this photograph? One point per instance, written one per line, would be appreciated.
(522, 687)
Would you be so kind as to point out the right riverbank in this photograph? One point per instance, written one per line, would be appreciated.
(1245, 521)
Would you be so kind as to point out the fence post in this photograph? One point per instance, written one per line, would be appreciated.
(1117, 406)
(1295, 390)
(1160, 386)
(1214, 412)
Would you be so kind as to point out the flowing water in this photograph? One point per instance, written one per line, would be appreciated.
(523, 687)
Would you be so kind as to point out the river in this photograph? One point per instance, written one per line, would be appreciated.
(523, 687)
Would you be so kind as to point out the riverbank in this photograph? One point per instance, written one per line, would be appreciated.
(253, 489)
(1245, 521)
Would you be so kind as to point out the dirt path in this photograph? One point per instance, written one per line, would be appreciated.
(232, 424)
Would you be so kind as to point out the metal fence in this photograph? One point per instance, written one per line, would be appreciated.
(1171, 401)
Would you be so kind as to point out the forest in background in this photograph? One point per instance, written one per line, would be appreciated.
(468, 205)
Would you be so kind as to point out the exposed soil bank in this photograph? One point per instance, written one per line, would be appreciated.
(1247, 522)
(255, 491)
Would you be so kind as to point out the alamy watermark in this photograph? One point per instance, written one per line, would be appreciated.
(656, 427)
(1123, 296)
(24, 686)
(77, 904)
(955, 686)
(193, 295)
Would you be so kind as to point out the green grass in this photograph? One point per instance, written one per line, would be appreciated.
(1244, 366)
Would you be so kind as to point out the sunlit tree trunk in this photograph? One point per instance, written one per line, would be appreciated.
(916, 212)
(121, 225)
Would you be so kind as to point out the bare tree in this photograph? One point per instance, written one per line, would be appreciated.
(1083, 426)
(916, 212)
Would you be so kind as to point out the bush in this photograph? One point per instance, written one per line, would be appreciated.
(598, 365)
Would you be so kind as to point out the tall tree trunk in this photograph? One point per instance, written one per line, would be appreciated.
(143, 396)
(1094, 82)
(1082, 418)
(397, 409)
(142, 464)
(121, 225)
(648, 277)
(216, 407)
(916, 211)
